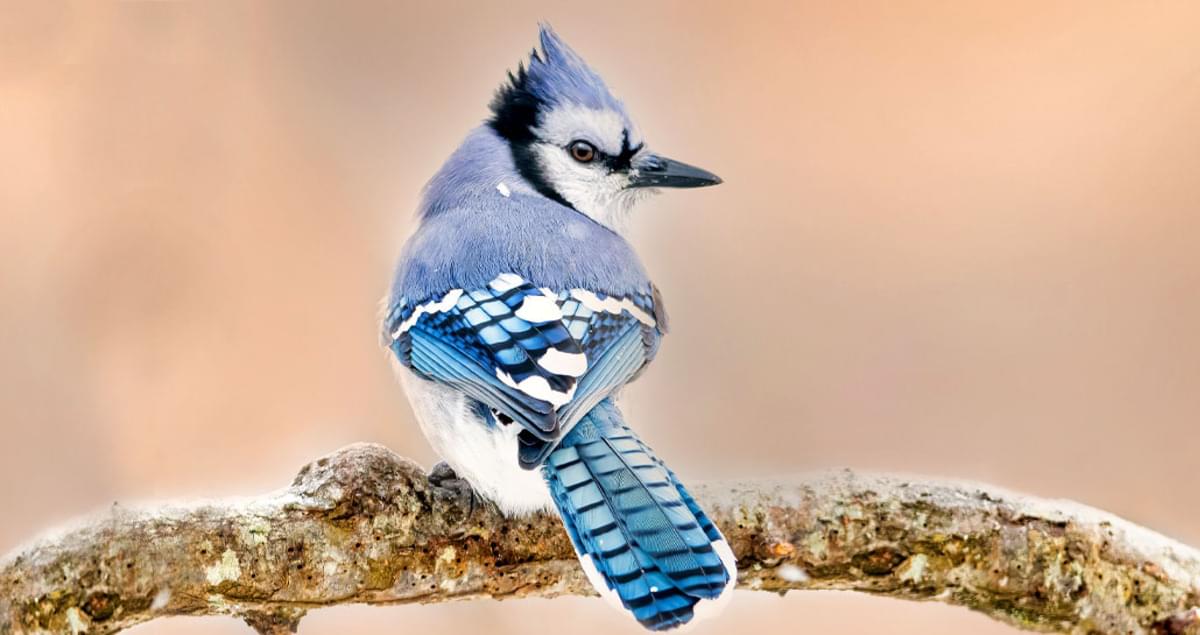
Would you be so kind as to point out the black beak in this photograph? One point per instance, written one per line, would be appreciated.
(656, 171)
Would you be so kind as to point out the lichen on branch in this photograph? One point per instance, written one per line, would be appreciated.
(363, 525)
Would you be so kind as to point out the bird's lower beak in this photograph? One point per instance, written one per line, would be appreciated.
(656, 171)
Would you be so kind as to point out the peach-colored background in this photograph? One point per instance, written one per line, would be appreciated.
(954, 239)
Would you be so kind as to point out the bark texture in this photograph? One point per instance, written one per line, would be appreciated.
(363, 525)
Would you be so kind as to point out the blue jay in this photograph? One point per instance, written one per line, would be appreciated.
(519, 311)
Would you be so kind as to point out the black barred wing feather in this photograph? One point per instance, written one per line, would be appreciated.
(619, 336)
(504, 345)
(542, 358)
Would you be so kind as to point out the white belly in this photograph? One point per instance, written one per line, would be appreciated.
(483, 453)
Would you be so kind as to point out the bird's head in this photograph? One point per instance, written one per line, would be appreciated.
(575, 143)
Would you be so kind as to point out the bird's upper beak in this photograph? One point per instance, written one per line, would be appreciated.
(656, 171)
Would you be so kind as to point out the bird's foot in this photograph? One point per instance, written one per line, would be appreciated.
(445, 479)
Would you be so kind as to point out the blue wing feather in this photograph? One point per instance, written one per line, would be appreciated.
(484, 343)
(623, 358)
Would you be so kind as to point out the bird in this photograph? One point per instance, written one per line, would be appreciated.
(518, 312)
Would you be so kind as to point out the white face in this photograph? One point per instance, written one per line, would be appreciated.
(591, 186)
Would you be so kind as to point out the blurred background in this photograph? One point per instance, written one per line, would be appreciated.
(976, 225)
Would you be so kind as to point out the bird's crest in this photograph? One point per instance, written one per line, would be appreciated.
(555, 76)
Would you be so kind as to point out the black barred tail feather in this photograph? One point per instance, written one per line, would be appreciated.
(641, 538)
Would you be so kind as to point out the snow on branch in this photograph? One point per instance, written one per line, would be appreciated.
(363, 525)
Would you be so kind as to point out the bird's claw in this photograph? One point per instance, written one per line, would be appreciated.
(444, 478)
(442, 472)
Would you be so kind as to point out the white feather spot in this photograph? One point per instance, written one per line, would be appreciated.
(612, 304)
(503, 189)
(438, 306)
(538, 309)
(537, 387)
(505, 282)
(560, 363)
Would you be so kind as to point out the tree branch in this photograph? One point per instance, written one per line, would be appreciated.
(365, 526)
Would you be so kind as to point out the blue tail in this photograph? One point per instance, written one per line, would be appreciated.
(638, 533)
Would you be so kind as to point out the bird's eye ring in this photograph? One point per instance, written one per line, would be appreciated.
(582, 151)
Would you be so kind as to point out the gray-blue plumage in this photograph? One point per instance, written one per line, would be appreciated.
(470, 232)
(520, 311)
(560, 76)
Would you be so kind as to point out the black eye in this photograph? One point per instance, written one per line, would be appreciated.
(582, 151)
